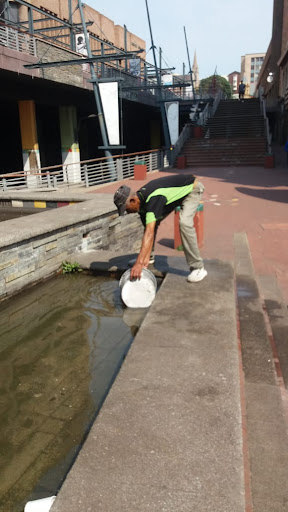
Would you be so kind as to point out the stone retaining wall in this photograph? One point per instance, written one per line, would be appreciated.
(34, 247)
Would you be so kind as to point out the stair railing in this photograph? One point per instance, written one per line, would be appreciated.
(266, 123)
(220, 96)
(204, 115)
(184, 135)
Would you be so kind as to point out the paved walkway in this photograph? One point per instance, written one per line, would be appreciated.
(197, 418)
(237, 199)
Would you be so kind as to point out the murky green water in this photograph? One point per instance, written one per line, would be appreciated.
(61, 345)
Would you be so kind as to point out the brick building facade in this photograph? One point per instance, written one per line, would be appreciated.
(273, 78)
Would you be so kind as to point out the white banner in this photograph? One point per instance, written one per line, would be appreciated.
(135, 67)
(109, 98)
(172, 113)
(167, 79)
(81, 44)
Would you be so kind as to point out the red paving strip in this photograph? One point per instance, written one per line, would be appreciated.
(245, 449)
(278, 371)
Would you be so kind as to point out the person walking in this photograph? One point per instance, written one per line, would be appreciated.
(241, 90)
(153, 202)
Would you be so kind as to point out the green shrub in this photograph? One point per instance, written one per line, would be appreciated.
(70, 268)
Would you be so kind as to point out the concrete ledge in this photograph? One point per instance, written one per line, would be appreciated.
(33, 248)
(168, 436)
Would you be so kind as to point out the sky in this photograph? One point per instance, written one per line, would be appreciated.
(220, 31)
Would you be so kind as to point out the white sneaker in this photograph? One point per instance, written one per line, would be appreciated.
(151, 260)
(197, 275)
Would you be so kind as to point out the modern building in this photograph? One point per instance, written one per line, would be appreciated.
(251, 64)
(273, 78)
(99, 25)
(50, 112)
(234, 80)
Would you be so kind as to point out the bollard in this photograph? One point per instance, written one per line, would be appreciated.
(181, 162)
(269, 161)
(198, 225)
(198, 132)
(140, 170)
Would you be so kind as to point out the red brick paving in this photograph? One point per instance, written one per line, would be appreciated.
(236, 199)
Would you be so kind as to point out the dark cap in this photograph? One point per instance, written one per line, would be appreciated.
(120, 197)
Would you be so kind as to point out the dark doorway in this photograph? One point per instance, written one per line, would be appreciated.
(49, 139)
(11, 155)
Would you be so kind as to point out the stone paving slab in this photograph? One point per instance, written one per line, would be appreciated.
(169, 435)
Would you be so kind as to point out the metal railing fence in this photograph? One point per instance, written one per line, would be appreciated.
(16, 40)
(86, 173)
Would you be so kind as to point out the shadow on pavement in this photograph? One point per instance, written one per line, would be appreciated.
(280, 196)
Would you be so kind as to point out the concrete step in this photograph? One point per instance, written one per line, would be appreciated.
(266, 425)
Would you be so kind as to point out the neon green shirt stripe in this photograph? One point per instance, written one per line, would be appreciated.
(172, 193)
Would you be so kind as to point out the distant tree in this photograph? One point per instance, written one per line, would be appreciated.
(213, 84)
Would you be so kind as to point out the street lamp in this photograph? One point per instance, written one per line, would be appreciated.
(270, 77)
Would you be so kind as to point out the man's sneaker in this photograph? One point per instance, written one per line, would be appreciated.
(197, 275)
(151, 260)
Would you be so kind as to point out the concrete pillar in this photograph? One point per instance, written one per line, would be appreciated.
(29, 137)
(155, 134)
(69, 144)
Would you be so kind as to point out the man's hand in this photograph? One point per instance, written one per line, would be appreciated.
(145, 251)
(136, 271)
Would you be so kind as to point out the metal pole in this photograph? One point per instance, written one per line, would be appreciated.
(7, 8)
(101, 117)
(183, 80)
(190, 69)
(30, 21)
(72, 38)
(125, 46)
(162, 106)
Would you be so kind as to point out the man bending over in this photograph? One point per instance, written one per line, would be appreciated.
(154, 201)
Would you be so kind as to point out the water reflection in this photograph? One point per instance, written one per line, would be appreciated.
(61, 344)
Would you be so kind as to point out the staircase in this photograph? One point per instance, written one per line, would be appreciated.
(234, 136)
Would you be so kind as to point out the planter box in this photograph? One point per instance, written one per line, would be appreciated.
(140, 171)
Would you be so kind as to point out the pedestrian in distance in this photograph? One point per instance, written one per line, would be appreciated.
(153, 202)
(241, 90)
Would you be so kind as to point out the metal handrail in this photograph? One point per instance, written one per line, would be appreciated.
(85, 173)
(183, 137)
(266, 123)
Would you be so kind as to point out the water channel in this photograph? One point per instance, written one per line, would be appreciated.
(62, 343)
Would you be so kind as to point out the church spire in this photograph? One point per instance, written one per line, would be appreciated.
(195, 70)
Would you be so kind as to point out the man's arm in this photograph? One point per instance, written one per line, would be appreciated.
(145, 251)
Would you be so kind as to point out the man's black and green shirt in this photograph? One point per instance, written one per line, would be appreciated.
(160, 197)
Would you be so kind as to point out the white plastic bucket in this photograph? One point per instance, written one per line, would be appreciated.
(42, 505)
(138, 293)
